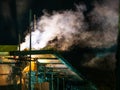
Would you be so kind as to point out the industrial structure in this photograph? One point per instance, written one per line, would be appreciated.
(40, 70)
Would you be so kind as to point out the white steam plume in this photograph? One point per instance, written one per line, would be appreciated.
(104, 23)
(61, 30)
(65, 26)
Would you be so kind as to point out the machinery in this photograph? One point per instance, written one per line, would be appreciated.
(43, 70)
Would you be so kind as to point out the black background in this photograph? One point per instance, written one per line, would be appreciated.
(14, 18)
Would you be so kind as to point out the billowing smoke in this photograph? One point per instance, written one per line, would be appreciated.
(61, 29)
(104, 24)
(64, 29)
(106, 62)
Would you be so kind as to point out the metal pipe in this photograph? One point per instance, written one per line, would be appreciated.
(63, 83)
(118, 58)
(33, 52)
(30, 51)
(19, 41)
(34, 22)
(5, 74)
(8, 63)
(57, 83)
(52, 86)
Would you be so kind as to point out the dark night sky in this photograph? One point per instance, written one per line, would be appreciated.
(14, 16)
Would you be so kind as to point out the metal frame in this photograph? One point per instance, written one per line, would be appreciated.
(57, 54)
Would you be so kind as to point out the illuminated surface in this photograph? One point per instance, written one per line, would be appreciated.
(52, 60)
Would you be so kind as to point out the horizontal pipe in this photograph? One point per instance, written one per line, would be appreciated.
(33, 52)
(8, 62)
(5, 74)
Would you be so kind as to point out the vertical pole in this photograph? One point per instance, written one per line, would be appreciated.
(17, 27)
(118, 65)
(58, 83)
(118, 56)
(34, 22)
(52, 88)
(63, 84)
(30, 14)
(19, 62)
(19, 41)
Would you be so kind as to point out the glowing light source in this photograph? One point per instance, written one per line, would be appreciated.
(56, 66)
(48, 61)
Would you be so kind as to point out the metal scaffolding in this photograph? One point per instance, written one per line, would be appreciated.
(46, 70)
